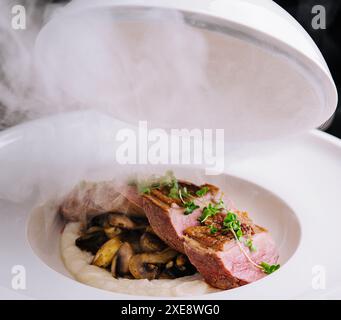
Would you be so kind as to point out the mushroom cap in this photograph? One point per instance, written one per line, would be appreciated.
(131, 249)
(146, 265)
(100, 220)
(106, 253)
(112, 232)
(92, 241)
(120, 263)
(180, 267)
(121, 221)
(150, 243)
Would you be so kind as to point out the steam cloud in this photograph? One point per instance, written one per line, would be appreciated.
(88, 63)
(97, 66)
(121, 68)
(20, 98)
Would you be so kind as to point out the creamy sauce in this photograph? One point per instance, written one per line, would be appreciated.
(78, 263)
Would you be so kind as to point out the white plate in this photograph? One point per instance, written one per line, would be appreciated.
(304, 173)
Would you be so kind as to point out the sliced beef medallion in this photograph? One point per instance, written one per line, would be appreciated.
(167, 215)
(89, 199)
(225, 246)
(223, 261)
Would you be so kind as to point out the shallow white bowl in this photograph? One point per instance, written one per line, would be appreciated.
(303, 175)
(45, 225)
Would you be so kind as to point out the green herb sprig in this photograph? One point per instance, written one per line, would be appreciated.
(202, 192)
(213, 229)
(230, 222)
(233, 224)
(184, 194)
(174, 192)
(145, 190)
(208, 211)
(249, 244)
(267, 268)
(190, 206)
(154, 182)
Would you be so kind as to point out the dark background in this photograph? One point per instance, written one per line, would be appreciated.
(328, 40)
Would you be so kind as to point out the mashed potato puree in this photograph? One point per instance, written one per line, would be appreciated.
(78, 263)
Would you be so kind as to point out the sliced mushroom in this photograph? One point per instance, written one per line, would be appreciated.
(112, 232)
(150, 243)
(91, 241)
(181, 261)
(121, 221)
(106, 253)
(141, 270)
(180, 267)
(100, 220)
(133, 237)
(165, 274)
(141, 223)
(93, 229)
(146, 265)
(120, 263)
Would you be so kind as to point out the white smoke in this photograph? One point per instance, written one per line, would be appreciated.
(152, 64)
(90, 62)
(17, 79)
(131, 64)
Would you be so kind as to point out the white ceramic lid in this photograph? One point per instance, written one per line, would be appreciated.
(242, 65)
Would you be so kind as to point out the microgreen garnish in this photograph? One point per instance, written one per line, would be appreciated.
(220, 205)
(154, 182)
(233, 224)
(230, 222)
(213, 229)
(201, 192)
(168, 179)
(145, 190)
(249, 244)
(172, 182)
(174, 192)
(207, 212)
(211, 210)
(183, 193)
(269, 268)
(190, 207)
